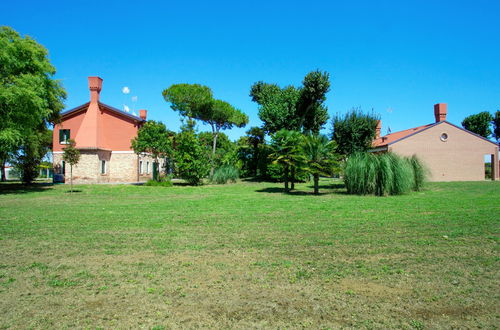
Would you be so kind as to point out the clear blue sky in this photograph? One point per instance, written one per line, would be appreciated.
(397, 57)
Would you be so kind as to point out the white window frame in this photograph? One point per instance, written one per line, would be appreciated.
(147, 167)
(66, 141)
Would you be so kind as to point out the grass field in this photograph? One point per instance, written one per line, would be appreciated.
(248, 256)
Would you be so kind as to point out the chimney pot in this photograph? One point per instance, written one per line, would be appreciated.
(143, 114)
(378, 129)
(440, 111)
(95, 86)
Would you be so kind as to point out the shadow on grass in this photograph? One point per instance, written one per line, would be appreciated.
(274, 190)
(19, 188)
(334, 186)
(74, 191)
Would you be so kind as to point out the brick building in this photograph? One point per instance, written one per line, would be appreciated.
(450, 152)
(103, 136)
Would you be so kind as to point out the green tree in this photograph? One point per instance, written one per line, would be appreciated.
(30, 98)
(197, 102)
(286, 152)
(320, 157)
(479, 124)
(154, 139)
(496, 126)
(293, 108)
(354, 132)
(190, 157)
(29, 155)
(71, 155)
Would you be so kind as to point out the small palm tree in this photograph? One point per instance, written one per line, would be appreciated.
(286, 151)
(320, 157)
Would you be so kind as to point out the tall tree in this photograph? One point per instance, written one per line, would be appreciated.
(286, 152)
(30, 98)
(496, 126)
(197, 102)
(154, 139)
(479, 123)
(319, 152)
(293, 108)
(71, 155)
(29, 155)
(190, 157)
(354, 132)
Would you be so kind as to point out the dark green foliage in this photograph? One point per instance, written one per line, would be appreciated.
(191, 159)
(354, 132)
(286, 152)
(30, 154)
(293, 108)
(252, 152)
(224, 174)
(383, 174)
(479, 123)
(320, 158)
(226, 152)
(496, 126)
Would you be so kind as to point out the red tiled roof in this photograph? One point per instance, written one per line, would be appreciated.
(392, 137)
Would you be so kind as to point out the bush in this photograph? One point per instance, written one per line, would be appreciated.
(164, 181)
(224, 174)
(383, 174)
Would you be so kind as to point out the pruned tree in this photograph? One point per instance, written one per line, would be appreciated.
(354, 131)
(479, 123)
(320, 157)
(293, 108)
(197, 102)
(153, 139)
(30, 98)
(71, 155)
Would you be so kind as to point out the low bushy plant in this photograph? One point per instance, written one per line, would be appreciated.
(163, 181)
(224, 174)
(383, 174)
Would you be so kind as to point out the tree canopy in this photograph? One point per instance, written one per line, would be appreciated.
(197, 102)
(496, 126)
(30, 98)
(479, 123)
(293, 108)
(354, 131)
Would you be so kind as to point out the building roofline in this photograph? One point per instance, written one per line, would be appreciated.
(113, 109)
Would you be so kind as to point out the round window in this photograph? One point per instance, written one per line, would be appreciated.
(444, 137)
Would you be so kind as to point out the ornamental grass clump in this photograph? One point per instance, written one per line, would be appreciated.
(224, 174)
(383, 174)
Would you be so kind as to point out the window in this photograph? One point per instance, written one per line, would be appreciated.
(444, 137)
(141, 171)
(103, 167)
(63, 167)
(147, 167)
(64, 136)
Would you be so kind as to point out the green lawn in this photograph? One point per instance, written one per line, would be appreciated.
(248, 256)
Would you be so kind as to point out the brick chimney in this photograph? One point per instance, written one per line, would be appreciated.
(95, 86)
(143, 113)
(378, 129)
(440, 112)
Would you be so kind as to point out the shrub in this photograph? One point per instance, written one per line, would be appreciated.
(383, 174)
(224, 174)
(164, 181)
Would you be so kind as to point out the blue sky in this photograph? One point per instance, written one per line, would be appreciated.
(397, 57)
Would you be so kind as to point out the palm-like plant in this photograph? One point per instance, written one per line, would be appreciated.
(320, 157)
(286, 151)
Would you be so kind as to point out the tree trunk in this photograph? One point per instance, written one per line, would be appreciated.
(292, 178)
(316, 184)
(286, 179)
(214, 145)
(71, 177)
(4, 177)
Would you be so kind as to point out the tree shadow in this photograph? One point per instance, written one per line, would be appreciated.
(332, 186)
(74, 191)
(274, 190)
(19, 188)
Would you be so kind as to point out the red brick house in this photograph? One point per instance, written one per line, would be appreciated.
(103, 135)
(450, 152)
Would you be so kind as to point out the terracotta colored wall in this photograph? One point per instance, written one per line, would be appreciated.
(460, 158)
(117, 131)
(72, 123)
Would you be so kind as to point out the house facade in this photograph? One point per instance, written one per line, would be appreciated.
(103, 136)
(451, 153)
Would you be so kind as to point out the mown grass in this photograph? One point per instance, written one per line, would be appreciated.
(246, 255)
